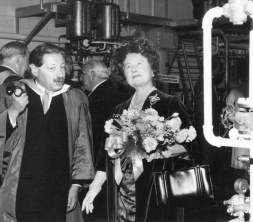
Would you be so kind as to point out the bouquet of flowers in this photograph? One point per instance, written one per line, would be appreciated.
(151, 132)
(144, 134)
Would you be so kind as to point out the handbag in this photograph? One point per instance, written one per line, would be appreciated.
(184, 187)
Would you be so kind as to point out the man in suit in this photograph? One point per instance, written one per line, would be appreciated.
(45, 145)
(103, 97)
(13, 61)
(13, 65)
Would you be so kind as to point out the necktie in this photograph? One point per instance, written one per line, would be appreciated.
(45, 101)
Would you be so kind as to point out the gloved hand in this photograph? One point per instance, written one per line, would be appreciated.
(94, 189)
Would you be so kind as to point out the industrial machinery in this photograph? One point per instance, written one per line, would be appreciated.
(238, 204)
(92, 28)
(241, 133)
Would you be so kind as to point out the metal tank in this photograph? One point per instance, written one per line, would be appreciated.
(78, 19)
(108, 26)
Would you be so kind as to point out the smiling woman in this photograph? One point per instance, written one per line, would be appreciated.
(129, 197)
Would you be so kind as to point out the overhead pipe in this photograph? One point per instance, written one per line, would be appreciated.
(37, 38)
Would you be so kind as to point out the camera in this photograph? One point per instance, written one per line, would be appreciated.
(14, 88)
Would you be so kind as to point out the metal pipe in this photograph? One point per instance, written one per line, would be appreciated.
(226, 45)
(128, 9)
(41, 5)
(22, 37)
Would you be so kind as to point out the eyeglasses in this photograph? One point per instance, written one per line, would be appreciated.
(16, 89)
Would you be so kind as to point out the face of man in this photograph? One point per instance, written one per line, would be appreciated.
(51, 75)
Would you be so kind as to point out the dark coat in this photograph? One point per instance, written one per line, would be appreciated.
(102, 101)
(166, 106)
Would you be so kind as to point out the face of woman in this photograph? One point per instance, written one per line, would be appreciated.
(137, 70)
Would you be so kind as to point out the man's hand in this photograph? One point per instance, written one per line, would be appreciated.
(18, 104)
(73, 197)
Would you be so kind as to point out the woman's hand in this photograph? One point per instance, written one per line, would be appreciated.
(94, 189)
(89, 198)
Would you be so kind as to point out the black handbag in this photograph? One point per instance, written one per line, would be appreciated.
(184, 187)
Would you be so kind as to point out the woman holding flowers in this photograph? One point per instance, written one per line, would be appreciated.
(143, 131)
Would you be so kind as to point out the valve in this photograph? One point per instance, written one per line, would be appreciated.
(238, 204)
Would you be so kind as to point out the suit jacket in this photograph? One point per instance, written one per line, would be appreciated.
(102, 101)
(7, 74)
(80, 150)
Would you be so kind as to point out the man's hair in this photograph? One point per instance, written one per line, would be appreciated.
(12, 49)
(98, 66)
(36, 56)
(142, 46)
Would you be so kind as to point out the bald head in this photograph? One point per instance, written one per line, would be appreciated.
(94, 72)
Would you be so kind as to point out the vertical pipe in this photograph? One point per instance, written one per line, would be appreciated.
(152, 7)
(251, 96)
(128, 8)
(41, 5)
(137, 6)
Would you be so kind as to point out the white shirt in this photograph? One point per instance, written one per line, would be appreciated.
(50, 94)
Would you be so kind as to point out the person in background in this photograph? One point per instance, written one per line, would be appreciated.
(129, 201)
(103, 97)
(45, 144)
(13, 65)
(13, 61)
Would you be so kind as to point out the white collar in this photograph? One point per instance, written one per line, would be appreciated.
(52, 94)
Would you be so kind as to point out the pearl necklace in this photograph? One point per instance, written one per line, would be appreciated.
(139, 107)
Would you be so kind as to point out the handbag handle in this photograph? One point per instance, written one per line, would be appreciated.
(181, 156)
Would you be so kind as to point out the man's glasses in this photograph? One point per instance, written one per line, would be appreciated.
(16, 89)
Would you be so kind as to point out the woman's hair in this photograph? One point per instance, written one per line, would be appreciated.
(36, 56)
(142, 46)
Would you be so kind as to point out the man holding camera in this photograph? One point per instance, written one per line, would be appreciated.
(13, 65)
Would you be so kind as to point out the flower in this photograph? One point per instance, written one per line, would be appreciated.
(149, 144)
(108, 126)
(153, 99)
(191, 134)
